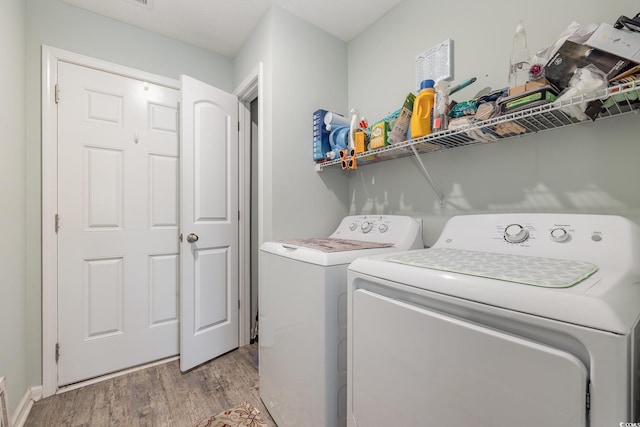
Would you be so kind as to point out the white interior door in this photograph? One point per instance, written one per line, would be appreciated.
(118, 205)
(209, 223)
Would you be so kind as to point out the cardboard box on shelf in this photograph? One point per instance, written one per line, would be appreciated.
(379, 132)
(529, 86)
(572, 56)
(399, 131)
(360, 141)
(623, 43)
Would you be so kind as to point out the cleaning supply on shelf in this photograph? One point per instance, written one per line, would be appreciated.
(353, 126)
(324, 122)
(333, 120)
(338, 140)
(462, 85)
(441, 106)
(379, 132)
(321, 144)
(422, 108)
(399, 129)
(520, 58)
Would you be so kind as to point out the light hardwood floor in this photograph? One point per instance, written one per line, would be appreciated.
(158, 396)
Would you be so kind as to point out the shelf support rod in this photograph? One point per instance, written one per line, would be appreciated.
(428, 175)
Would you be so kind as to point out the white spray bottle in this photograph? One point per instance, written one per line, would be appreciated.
(353, 126)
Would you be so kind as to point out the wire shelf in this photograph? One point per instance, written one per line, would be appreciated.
(612, 101)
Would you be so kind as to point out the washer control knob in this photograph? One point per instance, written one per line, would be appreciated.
(383, 228)
(559, 235)
(515, 233)
(353, 226)
(366, 227)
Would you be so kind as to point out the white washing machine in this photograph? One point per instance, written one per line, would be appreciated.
(521, 320)
(303, 316)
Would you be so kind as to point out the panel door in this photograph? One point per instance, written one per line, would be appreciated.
(118, 204)
(209, 252)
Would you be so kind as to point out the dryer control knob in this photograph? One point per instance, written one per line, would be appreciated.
(353, 226)
(515, 233)
(383, 228)
(559, 235)
(366, 227)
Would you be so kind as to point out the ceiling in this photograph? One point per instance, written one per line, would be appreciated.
(222, 26)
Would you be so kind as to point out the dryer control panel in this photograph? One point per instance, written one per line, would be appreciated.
(571, 236)
(559, 233)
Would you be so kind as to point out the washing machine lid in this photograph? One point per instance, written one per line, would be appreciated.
(356, 236)
(326, 251)
(329, 244)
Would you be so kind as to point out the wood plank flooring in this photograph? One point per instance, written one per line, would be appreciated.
(158, 396)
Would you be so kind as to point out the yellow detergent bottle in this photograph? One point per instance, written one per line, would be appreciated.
(422, 107)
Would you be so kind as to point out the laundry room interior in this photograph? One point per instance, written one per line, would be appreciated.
(587, 167)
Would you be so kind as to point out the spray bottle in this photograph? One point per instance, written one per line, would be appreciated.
(441, 107)
(353, 127)
(520, 58)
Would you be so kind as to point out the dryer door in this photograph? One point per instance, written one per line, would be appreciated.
(412, 366)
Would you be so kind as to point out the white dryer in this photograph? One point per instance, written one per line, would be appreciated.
(522, 320)
(303, 316)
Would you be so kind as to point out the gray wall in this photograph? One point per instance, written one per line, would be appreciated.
(298, 202)
(57, 24)
(309, 69)
(13, 329)
(590, 168)
(259, 49)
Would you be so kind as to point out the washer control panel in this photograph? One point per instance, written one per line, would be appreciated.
(379, 228)
(369, 224)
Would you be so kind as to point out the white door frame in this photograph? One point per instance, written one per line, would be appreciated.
(50, 58)
(247, 91)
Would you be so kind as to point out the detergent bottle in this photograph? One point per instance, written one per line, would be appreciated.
(422, 108)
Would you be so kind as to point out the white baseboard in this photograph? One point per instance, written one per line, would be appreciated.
(21, 413)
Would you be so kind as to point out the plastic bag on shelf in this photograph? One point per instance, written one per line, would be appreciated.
(585, 80)
(574, 32)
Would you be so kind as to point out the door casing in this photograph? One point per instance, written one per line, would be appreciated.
(248, 90)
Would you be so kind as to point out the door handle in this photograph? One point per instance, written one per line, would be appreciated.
(192, 238)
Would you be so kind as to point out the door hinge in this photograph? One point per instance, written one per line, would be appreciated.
(238, 215)
(180, 237)
(238, 126)
(238, 304)
(56, 93)
(57, 220)
(57, 352)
